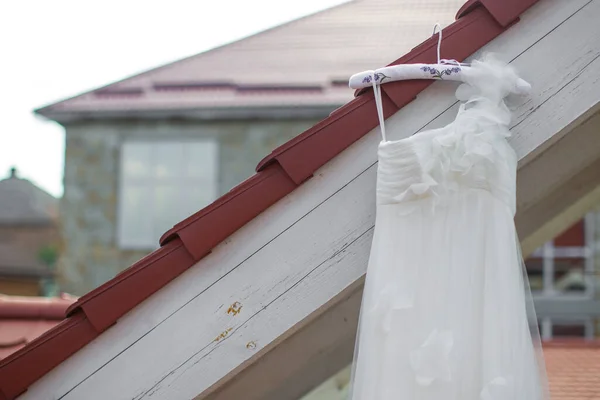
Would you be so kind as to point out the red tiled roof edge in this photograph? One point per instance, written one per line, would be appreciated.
(505, 12)
(16, 307)
(277, 175)
(42, 354)
(576, 343)
(100, 309)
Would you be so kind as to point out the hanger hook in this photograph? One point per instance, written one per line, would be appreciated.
(437, 27)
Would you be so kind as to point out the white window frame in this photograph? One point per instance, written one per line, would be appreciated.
(125, 242)
(546, 327)
(548, 252)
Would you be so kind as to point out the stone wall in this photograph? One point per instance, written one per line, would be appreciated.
(88, 210)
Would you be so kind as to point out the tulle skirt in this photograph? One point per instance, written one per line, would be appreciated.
(446, 312)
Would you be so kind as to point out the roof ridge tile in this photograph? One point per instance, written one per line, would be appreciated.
(133, 285)
(505, 12)
(23, 367)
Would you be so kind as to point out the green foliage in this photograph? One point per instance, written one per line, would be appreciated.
(48, 255)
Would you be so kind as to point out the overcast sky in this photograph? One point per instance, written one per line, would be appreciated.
(56, 49)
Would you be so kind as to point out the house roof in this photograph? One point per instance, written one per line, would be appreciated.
(477, 23)
(23, 203)
(303, 63)
(19, 262)
(573, 369)
(25, 318)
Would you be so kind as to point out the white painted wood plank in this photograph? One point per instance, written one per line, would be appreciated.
(195, 283)
(320, 286)
(583, 142)
(561, 209)
(582, 149)
(330, 336)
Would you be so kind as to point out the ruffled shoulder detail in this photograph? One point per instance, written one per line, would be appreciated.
(492, 79)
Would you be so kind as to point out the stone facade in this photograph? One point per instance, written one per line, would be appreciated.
(88, 211)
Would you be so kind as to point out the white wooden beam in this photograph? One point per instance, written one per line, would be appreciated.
(317, 350)
(570, 192)
(288, 267)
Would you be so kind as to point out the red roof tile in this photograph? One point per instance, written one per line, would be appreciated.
(23, 319)
(16, 333)
(504, 12)
(277, 175)
(573, 369)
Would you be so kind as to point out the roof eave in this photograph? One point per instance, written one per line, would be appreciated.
(12, 272)
(27, 223)
(202, 114)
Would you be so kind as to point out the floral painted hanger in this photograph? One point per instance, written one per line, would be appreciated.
(450, 70)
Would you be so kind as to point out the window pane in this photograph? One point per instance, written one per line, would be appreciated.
(535, 274)
(168, 159)
(135, 222)
(162, 184)
(136, 159)
(201, 160)
(569, 275)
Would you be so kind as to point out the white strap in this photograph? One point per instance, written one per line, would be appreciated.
(437, 27)
(439, 46)
(378, 103)
(377, 86)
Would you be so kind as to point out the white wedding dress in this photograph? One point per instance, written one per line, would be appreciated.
(446, 312)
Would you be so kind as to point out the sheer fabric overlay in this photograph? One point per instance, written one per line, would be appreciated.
(447, 310)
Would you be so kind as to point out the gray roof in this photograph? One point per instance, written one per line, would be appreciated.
(303, 63)
(20, 262)
(23, 203)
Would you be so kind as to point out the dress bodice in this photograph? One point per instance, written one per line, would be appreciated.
(470, 153)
